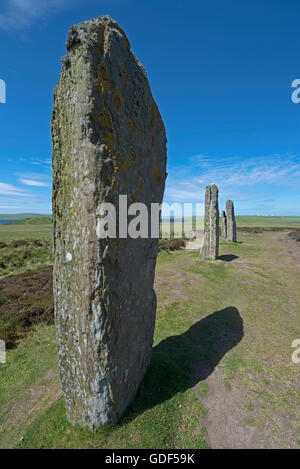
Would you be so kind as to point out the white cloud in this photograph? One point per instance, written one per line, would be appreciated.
(44, 163)
(31, 182)
(233, 177)
(10, 207)
(19, 14)
(10, 190)
(34, 179)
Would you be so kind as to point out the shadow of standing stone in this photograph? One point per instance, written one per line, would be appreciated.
(180, 362)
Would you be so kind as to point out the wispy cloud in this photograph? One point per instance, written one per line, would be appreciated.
(46, 163)
(34, 179)
(10, 190)
(234, 178)
(19, 14)
(31, 182)
(10, 207)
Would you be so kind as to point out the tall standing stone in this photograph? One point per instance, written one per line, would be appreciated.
(231, 224)
(108, 139)
(210, 246)
(223, 226)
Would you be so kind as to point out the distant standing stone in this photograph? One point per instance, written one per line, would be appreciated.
(210, 246)
(231, 224)
(108, 140)
(223, 226)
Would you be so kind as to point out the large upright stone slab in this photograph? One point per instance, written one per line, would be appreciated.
(210, 246)
(223, 226)
(108, 139)
(231, 224)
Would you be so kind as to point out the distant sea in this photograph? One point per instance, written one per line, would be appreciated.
(6, 222)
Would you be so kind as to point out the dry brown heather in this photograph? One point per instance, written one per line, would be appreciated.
(108, 139)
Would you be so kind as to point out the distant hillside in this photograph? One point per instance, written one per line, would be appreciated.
(36, 220)
(20, 216)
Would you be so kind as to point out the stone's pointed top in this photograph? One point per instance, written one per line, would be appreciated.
(86, 32)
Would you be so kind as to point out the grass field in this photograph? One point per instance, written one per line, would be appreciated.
(33, 227)
(221, 373)
(260, 221)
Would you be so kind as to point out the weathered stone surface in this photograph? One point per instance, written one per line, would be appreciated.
(231, 224)
(108, 139)
(210, 246)
(223, 226)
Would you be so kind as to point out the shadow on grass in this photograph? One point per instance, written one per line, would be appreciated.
(180, 362)
(228, 257)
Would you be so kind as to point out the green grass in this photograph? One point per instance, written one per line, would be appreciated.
(20, 378)
(36, 220)
(19, 255)
(29, 227)
(19, 216)
(238, 314)
(15, 231)
(39, 226)
(261, 221)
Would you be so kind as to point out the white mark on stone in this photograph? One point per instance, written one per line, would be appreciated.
(69, 257)
(98, 228)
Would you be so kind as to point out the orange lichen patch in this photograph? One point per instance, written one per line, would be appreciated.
(105, 38)
(124, 76)
(99, 47)
(117, 100)
(131, 154)
(155, 114)
(155, 172)
(153, 141)
(134, 198)
(114, 183)
(140, 186)
(126, 45)
(107, 128)
(130, 126)
(116, 167)
(101, 78)
(109, 138)
(116, 242)
(104, 71)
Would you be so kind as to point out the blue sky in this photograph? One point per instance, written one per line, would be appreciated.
(220, 71)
